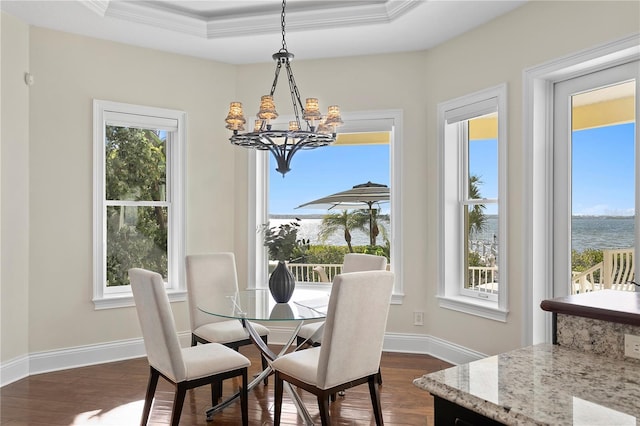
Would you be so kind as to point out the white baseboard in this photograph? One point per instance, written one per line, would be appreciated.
(14, 370)
(62, 359)
(81, 356)
(407, 343)
(429, 345)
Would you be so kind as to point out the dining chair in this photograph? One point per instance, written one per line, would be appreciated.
(185, 368)
(211, 277)
(338, 363)
(353, 262)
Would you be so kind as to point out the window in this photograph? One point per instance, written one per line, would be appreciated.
(138, 198)
(545, 258)
(472, 263)
(594, 181)
(383, 159)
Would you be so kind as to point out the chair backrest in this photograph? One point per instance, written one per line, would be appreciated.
(157, 323)
(355, 326)
(357, 262)
(210, 278)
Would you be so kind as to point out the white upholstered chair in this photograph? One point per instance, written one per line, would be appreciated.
(353, 262)
(339, 363)
(185, 368)
(212, 277)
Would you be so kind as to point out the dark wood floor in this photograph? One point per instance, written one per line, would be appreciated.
(112, 394)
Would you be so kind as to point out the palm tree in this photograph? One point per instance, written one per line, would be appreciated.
(477, 219)
(345, 221)
(375, 230)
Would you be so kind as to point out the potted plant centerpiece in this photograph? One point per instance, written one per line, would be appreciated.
(284, 246)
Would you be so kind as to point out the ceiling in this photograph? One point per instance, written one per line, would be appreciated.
(241, 32)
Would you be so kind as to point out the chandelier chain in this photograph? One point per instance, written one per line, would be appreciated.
(282, 24)
(275, 79)
(295, 94)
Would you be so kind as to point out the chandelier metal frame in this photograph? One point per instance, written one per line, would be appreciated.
(283, 144)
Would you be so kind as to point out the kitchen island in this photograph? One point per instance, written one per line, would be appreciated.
(586, 381)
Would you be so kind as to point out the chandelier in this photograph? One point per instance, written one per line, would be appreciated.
(283, 144)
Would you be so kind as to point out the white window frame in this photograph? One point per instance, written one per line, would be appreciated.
(377, 120)
(562, 162)
(127, 115)
(538, 123)
(452, 160)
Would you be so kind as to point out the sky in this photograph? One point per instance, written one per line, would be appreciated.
(603, 172)
(323, 171)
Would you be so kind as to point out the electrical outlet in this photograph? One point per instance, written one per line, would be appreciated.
(418, 318)
(632, 346)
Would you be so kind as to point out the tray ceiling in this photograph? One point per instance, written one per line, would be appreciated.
(249, 31)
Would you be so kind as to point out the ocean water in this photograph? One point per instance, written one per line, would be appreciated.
(588, 232)
(602, 232)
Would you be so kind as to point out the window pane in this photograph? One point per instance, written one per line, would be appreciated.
(483, 156)
(135, 164)
(603, 188)
(481, 218)
(136, 238)
(332, 231)
(481, 251)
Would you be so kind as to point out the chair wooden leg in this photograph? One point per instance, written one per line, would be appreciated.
(148, 399)
(244, 399)
(323, 405)
(216, 392)
(193, 340)
(278, 400)
(375, 400)
(379, 376)
(178, 402)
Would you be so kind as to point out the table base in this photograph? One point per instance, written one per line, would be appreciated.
(271, 356)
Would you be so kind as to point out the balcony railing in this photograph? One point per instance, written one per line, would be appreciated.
(481, 278)
(314, 272)
(614, 272)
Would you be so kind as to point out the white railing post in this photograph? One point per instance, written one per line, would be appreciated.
(616, 270)
(607, 268)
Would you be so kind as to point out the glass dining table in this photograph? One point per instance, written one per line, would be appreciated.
(258, 305)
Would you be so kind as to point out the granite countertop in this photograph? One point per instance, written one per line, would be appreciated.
(543, 384)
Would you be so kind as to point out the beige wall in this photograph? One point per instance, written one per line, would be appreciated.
(14, 212)
(71, 70)
(536, 33)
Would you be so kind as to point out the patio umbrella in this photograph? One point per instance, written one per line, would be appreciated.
(365, 194)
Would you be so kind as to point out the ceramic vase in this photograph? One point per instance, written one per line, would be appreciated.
(281, 283)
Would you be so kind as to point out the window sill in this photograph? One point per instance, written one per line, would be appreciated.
(471, 306)
(126, 300)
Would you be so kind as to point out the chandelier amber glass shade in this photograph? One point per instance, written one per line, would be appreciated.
(267, 108)
(312, 111)
(235, 119)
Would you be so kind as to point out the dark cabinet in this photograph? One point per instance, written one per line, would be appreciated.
(447, 413)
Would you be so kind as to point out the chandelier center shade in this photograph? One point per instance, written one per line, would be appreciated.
(309, 130)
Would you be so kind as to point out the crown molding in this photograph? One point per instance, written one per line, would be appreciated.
(245, 23)
(97, 6)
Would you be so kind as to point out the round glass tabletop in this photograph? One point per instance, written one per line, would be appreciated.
(258, 305)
